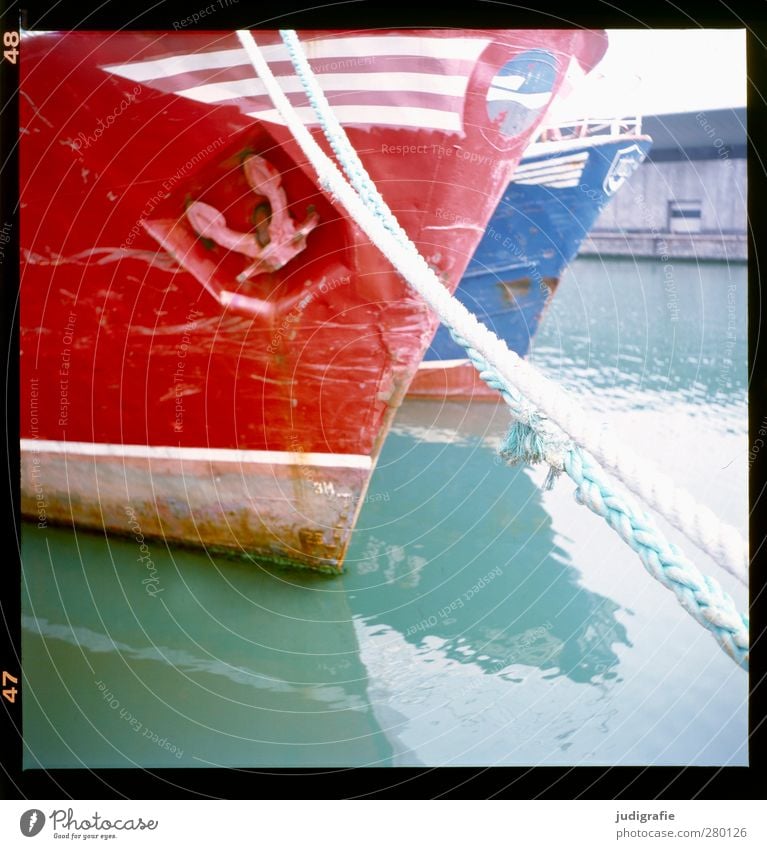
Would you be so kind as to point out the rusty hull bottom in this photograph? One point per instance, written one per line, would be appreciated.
(288, 513)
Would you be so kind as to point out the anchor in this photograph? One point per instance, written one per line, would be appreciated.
(276, 240)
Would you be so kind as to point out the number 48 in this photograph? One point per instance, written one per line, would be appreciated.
(11, 40)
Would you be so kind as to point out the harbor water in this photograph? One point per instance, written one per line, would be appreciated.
(481, 620)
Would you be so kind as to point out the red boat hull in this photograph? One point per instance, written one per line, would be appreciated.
(157, 381)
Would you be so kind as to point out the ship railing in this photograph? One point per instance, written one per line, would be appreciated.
(589, 127)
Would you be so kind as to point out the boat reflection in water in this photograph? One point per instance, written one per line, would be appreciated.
(512, 599)
(192, 661)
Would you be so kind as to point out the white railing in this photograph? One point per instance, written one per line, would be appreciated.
(588, 127)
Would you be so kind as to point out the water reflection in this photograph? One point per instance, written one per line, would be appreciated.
(231, 663)
(488, 582)
(635, 328)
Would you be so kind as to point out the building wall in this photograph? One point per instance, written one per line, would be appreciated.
(642, 202)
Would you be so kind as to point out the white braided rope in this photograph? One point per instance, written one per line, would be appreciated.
(700, 524)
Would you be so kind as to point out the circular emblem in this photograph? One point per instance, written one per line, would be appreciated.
(32, 822)
(521, 90)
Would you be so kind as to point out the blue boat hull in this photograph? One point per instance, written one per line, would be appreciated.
(544, 216)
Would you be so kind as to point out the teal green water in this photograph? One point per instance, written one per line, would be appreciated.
(480, 620)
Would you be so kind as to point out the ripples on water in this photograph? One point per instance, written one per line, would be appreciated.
(481, 620)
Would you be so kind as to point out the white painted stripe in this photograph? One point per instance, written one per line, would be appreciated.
(367, 47)
(218, 455)
(550, 181)
(429, 364)
(452, 85)
(534, 100)
(574, 169)
(397, 116)
(547, 179)
(527, 165)
(460, 225)
(157, 69)
(433, 47)
(512, 82)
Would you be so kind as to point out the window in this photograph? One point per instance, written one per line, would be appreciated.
(684, 216)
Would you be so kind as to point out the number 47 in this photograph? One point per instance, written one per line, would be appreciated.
(11, 40)
(10, 692)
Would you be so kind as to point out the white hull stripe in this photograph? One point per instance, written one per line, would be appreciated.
(327, 48)
(561, 173)
(547, 164)
(218, 455)
(511, 82)
(431, 364)
(551, 183)
(574, 170)
(396, 116)
(550, 180)
(452, 85)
